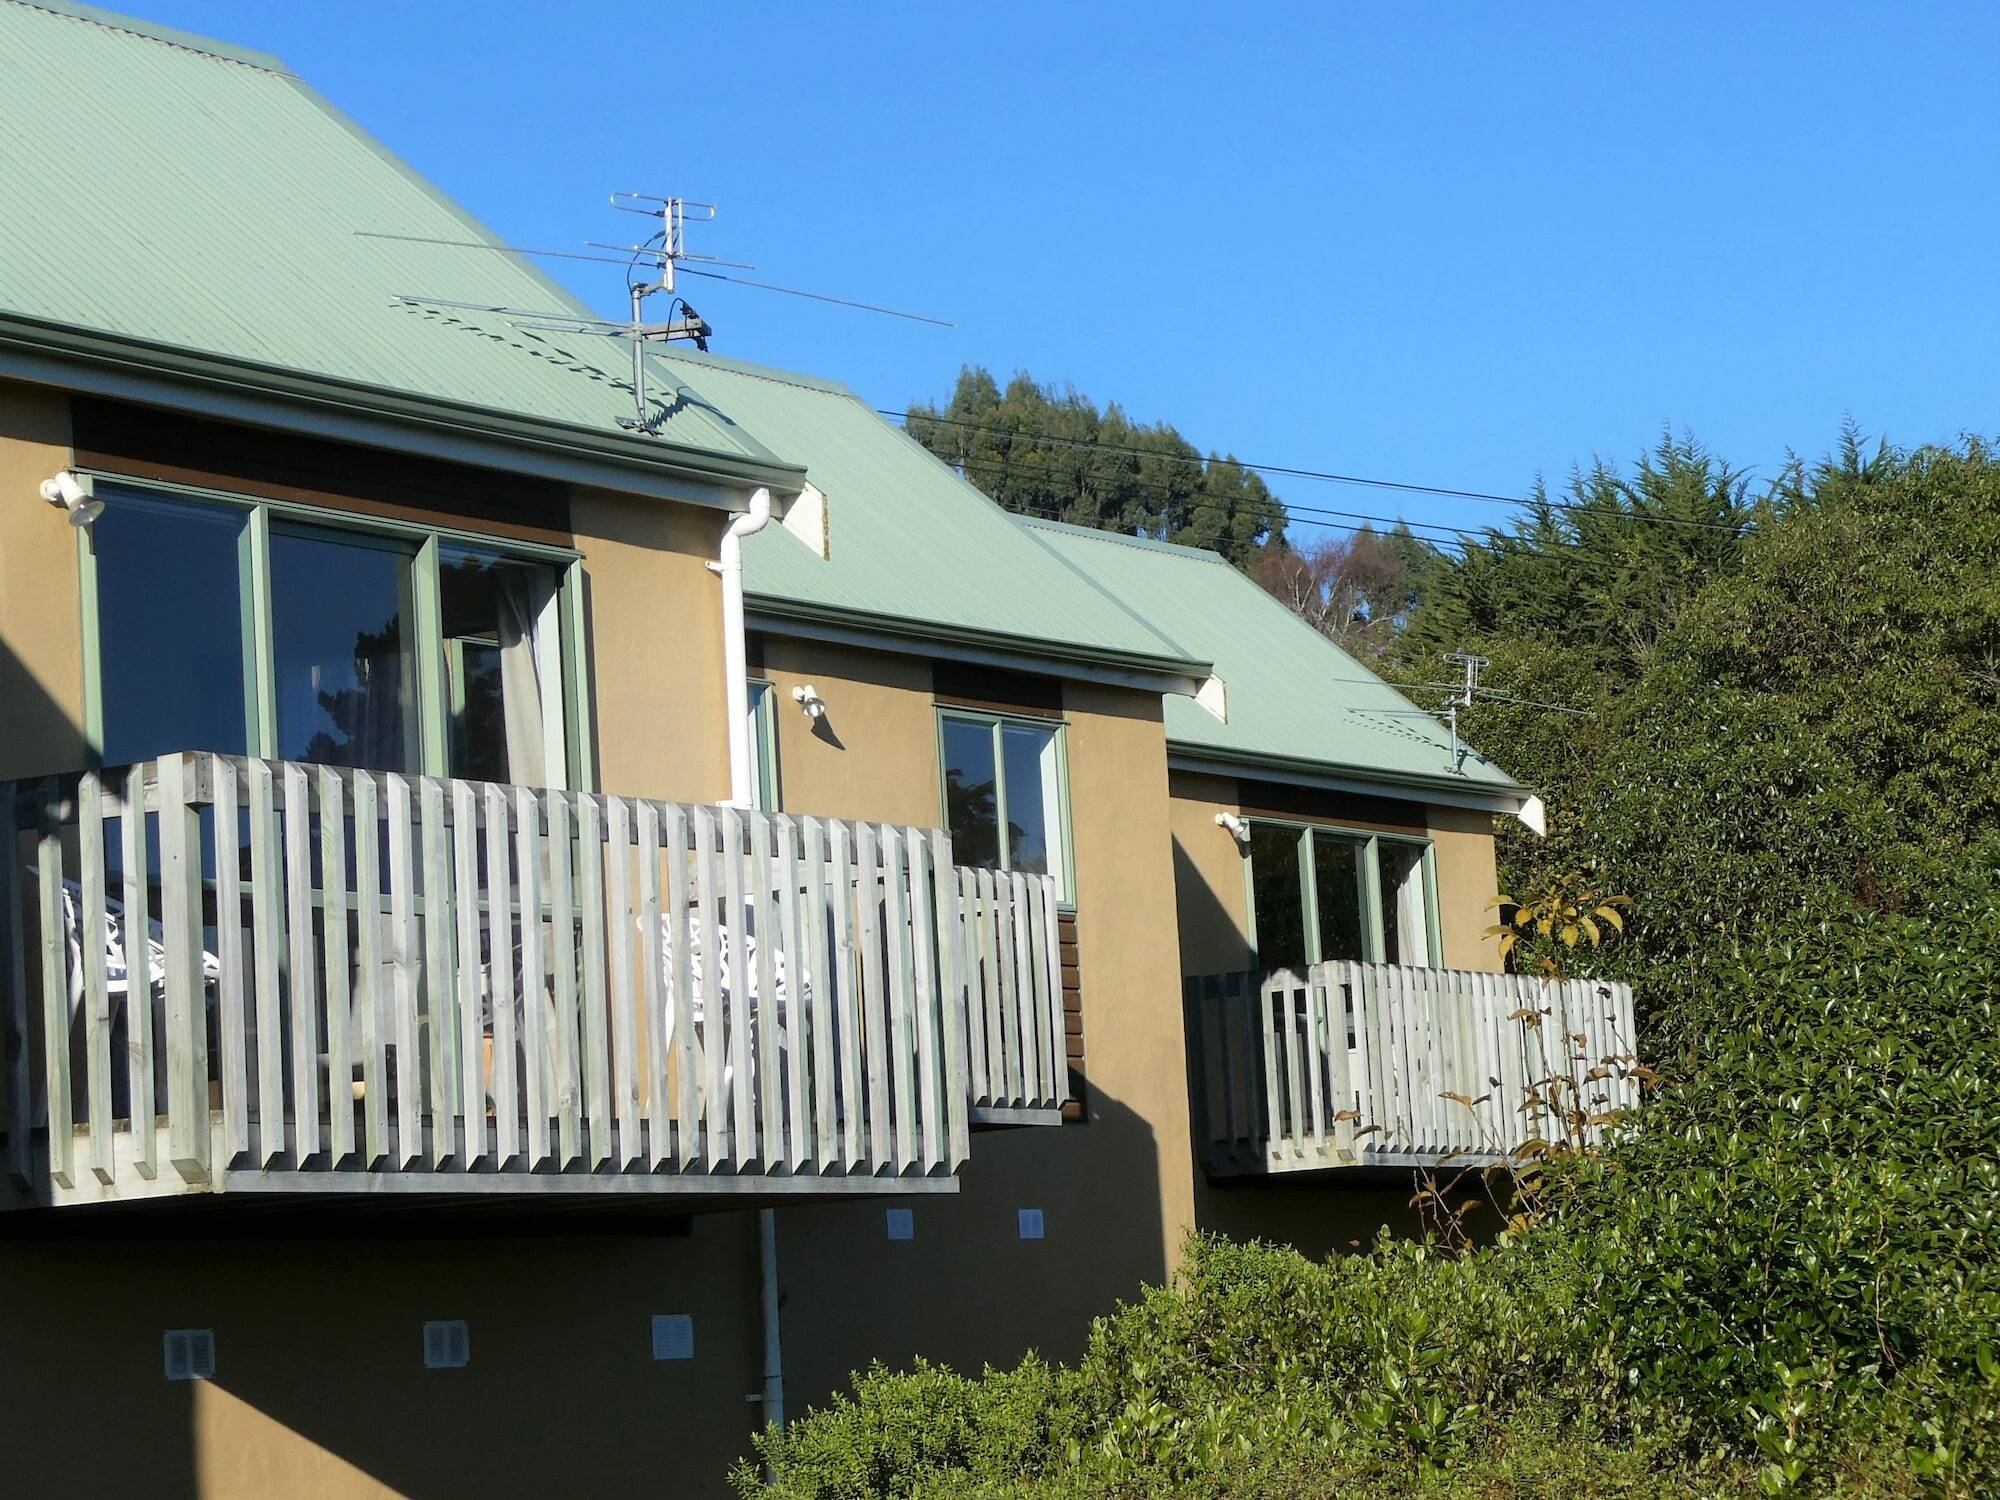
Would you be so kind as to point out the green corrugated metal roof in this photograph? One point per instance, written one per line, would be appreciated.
(171, 190)
(1295, 699)
(915, 549)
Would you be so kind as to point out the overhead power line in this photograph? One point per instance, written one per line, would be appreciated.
(1320, 475)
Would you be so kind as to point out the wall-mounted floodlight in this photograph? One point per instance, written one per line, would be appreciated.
(1238, 829)
(807, 697)
(75, 494)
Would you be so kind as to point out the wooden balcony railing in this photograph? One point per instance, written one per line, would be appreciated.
(291, 978)
(1351, 1064)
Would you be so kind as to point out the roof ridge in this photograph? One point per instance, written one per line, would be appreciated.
(1123, 538)
(165, 36)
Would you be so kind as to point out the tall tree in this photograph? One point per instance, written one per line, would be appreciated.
(1043, 451)
(1358, 590)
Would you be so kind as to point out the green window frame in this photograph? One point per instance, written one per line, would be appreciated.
(422, 545)
(1369, 846)
(1060, 852)
(766, 789)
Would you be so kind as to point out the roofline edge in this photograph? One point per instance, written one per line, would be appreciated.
(1445, 792)
(61, 354)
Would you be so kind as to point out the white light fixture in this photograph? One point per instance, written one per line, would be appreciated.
(1238, 829)
(74, 493)
(807, 697)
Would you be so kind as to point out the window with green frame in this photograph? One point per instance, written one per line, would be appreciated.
(1006, 793)
(764, 744)
(218, 622)
(1319, 894)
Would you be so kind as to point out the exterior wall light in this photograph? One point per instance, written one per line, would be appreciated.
(1238, 829)
(74, 493)
(807, 697)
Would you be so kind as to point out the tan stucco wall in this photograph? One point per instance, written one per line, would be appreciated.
(1468, 879)
(320, 1387)
(1117, 1191)
(655, 614)
(41, 634)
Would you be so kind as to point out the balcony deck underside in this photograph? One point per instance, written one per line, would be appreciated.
(450, 1179)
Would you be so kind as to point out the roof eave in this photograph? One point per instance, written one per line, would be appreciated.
(1162, 674)
(82, 359)
(1448, 791)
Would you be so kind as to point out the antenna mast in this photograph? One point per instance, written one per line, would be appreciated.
(1462, 698)
(674, 215)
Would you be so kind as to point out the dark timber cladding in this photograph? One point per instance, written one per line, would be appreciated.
(148, 443)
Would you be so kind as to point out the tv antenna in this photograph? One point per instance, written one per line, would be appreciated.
(665, 255)
(1464, 693)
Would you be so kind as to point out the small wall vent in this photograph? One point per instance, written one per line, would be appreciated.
(190, 1353)
(1031, 1223)
(901, 1223)
(447, 1344)
(673, 1336)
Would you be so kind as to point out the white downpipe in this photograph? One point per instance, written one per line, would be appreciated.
(742, 784)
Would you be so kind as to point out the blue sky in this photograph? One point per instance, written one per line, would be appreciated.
(1453, 244)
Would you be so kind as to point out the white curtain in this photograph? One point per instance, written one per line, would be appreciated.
(521, 679)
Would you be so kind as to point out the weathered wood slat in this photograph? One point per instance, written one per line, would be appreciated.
(187, 1022)
(96, 1006)
(954, 1013)
(758, 928)
(874, 999)
(505, 1085)
(371, 997)
(596, 1002)
(795, 1020)
(899, 972)
(650, 936)
(734, 1004)
(973, 979)
(624, 1018)
(825, 1064)
(267, 940)
(471, 1025)
(563, 1060)
(55, 991)
(333, 921)
(301, 970)
(935, 1142)
(404, 960)
(137, 928)
(847, 1000)
(533, 977)
(680, 994)
(717, 1127)
(440, 987)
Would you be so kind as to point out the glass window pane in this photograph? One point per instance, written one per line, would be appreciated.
(1034, 819)
(495, 662)
(346, 671)
(1405, 912)
(169, 628)
(1337, 893)
(1277, 896)
(971, 793)
(763, 730)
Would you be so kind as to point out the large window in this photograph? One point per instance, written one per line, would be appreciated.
(1005, 793)
(275, 630)
(1321, 894)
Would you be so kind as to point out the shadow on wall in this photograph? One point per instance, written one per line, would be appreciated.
(967, 1289)
(38, 736)
(320, 1384)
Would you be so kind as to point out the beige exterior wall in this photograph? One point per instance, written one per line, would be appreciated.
(1116, 1192)
(655, 613)
(41, 634)
(1468, 879)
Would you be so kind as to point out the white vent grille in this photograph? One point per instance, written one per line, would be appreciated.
(1031, 1223)
(190, 1353)
(901, 1223)
(673, 1336)
(447, 1345)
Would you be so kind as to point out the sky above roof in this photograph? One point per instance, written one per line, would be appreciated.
(1457, 244)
